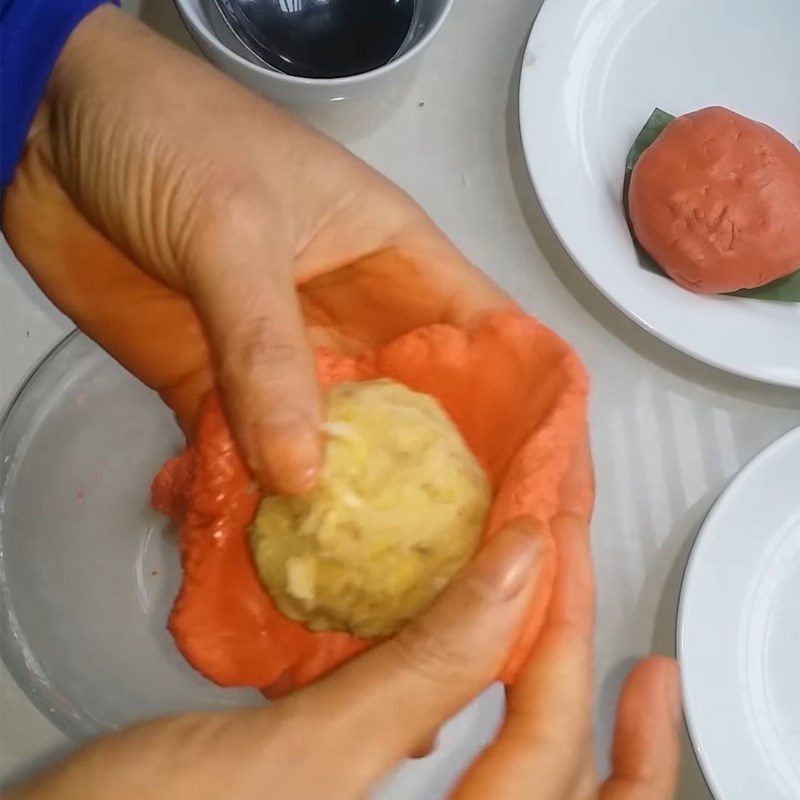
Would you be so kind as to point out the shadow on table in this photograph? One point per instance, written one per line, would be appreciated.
(661, 592)
(164, 18)
(37, 765)
(692, 785)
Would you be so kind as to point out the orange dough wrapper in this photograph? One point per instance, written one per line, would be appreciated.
(715, 200)
(518, 394)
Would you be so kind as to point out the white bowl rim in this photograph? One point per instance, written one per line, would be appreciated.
(198, 24)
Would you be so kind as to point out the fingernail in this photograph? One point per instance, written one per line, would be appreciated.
(507, 561)
(291, 457)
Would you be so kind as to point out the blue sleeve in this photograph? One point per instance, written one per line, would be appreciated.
(32, 34)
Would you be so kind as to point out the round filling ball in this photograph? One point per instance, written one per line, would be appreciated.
(398, 510)
(715, 200)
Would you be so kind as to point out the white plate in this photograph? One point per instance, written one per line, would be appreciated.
(592, 73)
(738, 632)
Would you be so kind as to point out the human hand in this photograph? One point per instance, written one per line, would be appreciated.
(202, 236)
(545, 748)
(338, 737)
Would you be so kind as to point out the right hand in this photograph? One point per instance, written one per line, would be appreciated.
(337, 738)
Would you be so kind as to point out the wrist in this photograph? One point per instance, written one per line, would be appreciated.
(85, 47)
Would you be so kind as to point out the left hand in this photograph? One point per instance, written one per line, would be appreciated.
(204, 237)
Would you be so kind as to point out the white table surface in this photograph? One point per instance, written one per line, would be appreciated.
(668, 432)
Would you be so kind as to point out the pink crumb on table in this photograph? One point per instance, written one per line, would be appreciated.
(81, 494)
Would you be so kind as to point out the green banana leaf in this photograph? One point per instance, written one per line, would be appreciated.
(786, 290)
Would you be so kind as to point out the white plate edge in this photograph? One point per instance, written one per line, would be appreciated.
(788, 439)
(529, 157)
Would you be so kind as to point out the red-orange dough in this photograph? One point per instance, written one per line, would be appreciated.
(517, 392)
(715, 200)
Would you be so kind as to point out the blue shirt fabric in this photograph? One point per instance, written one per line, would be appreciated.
(32, 34)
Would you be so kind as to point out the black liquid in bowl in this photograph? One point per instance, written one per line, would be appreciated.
(322, 38)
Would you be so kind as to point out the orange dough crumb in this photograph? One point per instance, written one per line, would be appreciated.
(715, 200)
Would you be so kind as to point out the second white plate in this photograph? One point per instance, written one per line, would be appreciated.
(592, 73)
(738, 626)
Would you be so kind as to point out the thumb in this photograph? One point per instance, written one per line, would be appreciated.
(385, 703)
(264, 364)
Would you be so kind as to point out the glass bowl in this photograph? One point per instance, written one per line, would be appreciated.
(88, 571)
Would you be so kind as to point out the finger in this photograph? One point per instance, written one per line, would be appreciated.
(389, 700)
(572, 603)
(567, 636)
(545, 741)
(264, 362)
(647, 737)
(576, 495)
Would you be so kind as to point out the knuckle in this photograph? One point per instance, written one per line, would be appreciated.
(234, 197)
(213, 212)
(227, 223)
(431, 654)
